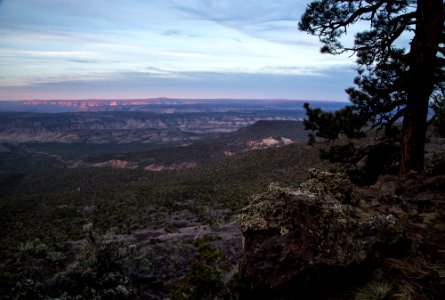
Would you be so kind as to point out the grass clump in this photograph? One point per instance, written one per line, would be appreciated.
(375, 291)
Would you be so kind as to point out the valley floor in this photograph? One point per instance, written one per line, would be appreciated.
(131, 233)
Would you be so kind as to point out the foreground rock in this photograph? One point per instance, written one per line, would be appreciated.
(291, 233)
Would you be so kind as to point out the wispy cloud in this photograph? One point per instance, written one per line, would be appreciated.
(83, 61)
(49, 54)
(242, 12)
(159, 46)
(178, 33)
(185, 54)
(187, 85)
(248, 16)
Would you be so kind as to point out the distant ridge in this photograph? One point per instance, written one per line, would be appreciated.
(220, 104)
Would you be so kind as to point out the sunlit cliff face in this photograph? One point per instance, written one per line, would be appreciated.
(87, 104)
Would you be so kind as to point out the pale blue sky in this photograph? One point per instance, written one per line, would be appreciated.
(83, 49)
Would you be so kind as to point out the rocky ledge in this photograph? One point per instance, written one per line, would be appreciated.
(314, 230)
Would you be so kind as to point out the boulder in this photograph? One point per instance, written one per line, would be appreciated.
(291, 232)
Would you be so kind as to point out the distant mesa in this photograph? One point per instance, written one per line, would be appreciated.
(85, 105)
(151, 104)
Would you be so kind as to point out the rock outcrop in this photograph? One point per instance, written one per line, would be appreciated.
(289, 233)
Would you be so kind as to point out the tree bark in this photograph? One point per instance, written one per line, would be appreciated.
(422, 56)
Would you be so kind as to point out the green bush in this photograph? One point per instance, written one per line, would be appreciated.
(204, 279)
(378, 159)
(99, 270)
(240, 286)
(339, 153)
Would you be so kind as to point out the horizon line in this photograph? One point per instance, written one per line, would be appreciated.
(168, 98)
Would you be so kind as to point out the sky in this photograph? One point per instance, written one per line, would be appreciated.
(133, 49)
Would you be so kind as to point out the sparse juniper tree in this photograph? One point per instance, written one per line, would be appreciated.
(394, 81)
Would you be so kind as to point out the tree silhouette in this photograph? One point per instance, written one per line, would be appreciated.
(393, 82)
(330, 125)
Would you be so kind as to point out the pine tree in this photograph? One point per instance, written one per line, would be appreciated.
(393, 82)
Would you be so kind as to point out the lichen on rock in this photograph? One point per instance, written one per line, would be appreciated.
(289, 232)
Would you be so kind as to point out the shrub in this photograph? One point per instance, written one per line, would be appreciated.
(99, 270)
(204, 279)
(339, 153)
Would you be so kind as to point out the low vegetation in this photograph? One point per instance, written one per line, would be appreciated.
(108, 233)
(49, 211)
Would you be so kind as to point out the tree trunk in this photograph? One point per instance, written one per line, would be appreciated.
(424, 47)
